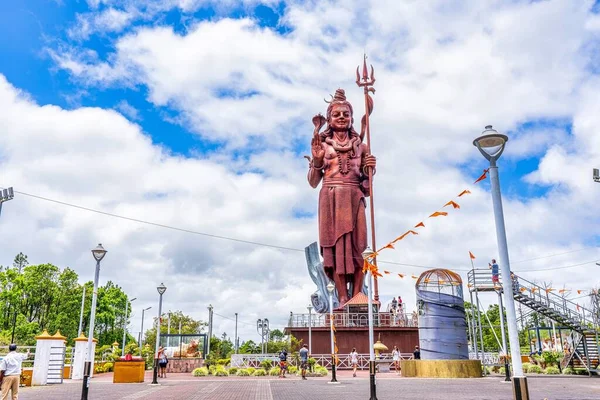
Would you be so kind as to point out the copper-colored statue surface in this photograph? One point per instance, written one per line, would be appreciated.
(342, 162)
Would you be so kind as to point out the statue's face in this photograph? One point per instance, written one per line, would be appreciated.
(341, 117)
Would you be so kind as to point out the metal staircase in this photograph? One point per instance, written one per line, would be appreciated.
(583, 322)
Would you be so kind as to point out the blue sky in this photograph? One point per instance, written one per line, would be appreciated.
(226, 94)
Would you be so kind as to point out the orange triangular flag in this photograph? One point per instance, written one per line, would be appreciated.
(483, 176)
(466, 191)
(388, 246)
(426, 280)
(549, 290)
(420, 224)
(401, 275)
(386, 272)
(400, 237)
(563, 290)
(414, 277)
(471, 255)
(579, 291)
(451, 203)
(533, 290)
(438, 213)
(523, 289)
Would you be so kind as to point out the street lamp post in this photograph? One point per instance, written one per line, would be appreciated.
(142, 330)
(330, 289)
(310, 307)
(367, 255)
(98, 254)
(125, 325)
(80, 330)
(491, 145)
(6, 195)
(506, 364)
(161, 290)
(262, 327)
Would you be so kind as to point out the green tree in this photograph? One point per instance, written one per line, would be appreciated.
(188, 326)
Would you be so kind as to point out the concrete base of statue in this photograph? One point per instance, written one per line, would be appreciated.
(441, 368)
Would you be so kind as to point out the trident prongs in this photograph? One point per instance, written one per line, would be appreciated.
(366, 80)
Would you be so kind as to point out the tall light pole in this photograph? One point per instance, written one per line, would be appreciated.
(142, 330)
(310, 307)
(6, 195)
(125, 324)
(98, 254)
(80, 331)
(235, 343)
(161, 289)
(491, 145)
(368, 254)
(168, 328)
(210, 323)
(506, 364)
(262, 327)
(330, 289)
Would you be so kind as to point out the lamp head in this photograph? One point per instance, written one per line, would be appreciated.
(309, 308)
(161, 289)
(99, 252)
(330, 287)
(491, 144)
(368, 253)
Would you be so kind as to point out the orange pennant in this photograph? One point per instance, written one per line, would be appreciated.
(420, 224)
(483, 176)
(549, 290)
(386, 272)
(563, 290)
(523, 289)
(466, 191)
(388, 246)
(414, 277)
(438, 213)
(452, 203)
(471, 255)
(533, 290)
(401, 275)
(579, 291)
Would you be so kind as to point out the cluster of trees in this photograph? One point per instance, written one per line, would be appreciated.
(493, 315)
(38, 297)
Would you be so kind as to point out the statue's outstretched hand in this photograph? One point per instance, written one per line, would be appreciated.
(370, 161)
(318, 152)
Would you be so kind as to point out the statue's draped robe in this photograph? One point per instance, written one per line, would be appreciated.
(342, 221)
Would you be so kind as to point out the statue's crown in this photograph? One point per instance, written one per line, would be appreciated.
(340, 95)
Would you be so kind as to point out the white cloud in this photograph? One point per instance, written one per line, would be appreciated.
(128, 110)
(443, 73)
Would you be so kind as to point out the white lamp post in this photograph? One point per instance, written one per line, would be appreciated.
(161, 289)
(141, 345)
(491, 145)
(125, 324)
(98, 254)
(367, 255)
(330, 289)
(310, 307)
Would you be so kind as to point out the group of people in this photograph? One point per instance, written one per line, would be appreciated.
(283, 364)
(395, 359)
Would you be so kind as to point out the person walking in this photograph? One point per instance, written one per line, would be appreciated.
(354, 361)
(396, 359)
(304, 360)
(163, 360)
(10, 372)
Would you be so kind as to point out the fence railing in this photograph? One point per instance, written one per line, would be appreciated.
(489, 358)
(344, 360)
(381, 319)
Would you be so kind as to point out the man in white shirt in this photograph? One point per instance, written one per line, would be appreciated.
(10, 372)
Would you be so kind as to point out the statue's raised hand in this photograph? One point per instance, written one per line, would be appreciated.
(318, 152)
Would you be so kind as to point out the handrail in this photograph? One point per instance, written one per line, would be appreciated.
(382, 319)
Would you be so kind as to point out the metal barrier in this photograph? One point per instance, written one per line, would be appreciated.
(354, 320)
(324, 360)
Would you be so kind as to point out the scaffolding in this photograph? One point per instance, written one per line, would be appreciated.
(582, 347)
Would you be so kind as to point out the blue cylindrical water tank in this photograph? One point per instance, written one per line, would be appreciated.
(442, 323)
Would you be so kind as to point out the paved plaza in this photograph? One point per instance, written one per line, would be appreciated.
(389, 386)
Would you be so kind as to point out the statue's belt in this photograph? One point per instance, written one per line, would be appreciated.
(340, 183)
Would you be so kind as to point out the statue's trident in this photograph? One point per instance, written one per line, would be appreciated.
(367, 84)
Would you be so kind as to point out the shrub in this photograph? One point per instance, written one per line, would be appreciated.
(260, 372)
(551, 358)
(275, 371)
(233, 370)
(251, 370)
(552, 371)
(526, 367)
(568, 371)
(266, 364)
(108, 367)
(311, 363)
(580, 371)
(534, 369)
(212, 369)
(502, 371)
(221, 372)
(292, 369)
(243, 372)
(203, 371)
(98, 369)
(223, 361)
(322, 371)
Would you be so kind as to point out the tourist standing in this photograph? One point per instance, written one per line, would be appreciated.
(417, 353)
(10, 372)
(495, 272)
(354, 361)
(162, 362)
(282, 363)
(396, 359)
(304, 360)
